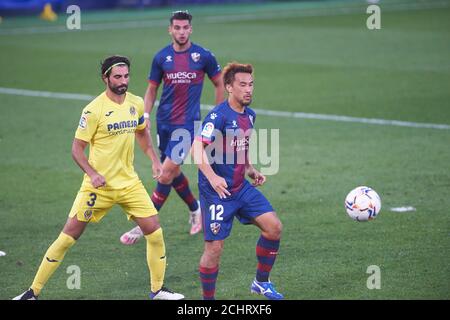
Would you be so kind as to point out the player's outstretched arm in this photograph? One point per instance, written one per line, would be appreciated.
(201, 160)
(145, 142)
(78, 147)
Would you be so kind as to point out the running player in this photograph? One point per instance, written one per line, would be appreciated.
(181, 66)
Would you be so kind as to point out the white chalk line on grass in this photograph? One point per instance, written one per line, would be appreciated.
(274, 113)
(278, 14)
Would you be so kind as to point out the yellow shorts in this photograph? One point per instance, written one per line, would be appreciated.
(91, 204)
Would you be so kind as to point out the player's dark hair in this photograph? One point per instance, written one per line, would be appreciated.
(181, 15)
(108, 63)
(232, 68)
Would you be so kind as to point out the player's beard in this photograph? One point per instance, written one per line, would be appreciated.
(186, 39)
(245, 102)
(119, 90)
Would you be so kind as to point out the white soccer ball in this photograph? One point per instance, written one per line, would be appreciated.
(363, 204)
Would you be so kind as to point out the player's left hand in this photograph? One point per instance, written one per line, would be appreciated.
(258, 178)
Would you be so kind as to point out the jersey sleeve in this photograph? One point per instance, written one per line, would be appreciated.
(87, 126)
(212, 68)
(140, 111)
(211, 126)
(156, 72)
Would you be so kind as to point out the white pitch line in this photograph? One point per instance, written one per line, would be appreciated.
(282, 13)
(274, 113)
(46, 94)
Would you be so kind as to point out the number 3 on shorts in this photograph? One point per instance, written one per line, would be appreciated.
(216, 212)
(91, 202)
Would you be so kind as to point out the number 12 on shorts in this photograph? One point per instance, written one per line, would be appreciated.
(216, 212)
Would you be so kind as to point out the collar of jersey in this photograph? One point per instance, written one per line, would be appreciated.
(243, 113)
(115, 103)
(184, 51)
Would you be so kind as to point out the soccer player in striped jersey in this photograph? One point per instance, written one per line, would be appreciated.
(221, 151)
(109, 125)
(181, 67)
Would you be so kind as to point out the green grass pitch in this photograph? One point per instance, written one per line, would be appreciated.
(314, 63)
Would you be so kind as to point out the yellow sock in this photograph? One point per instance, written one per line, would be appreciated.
(156, 259)
(51, 261)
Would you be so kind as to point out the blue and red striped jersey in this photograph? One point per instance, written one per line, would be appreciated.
(182, 74)
(227, 133)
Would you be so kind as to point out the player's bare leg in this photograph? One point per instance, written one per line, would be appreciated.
(266, 252)
(156, 258)
(74, 228)
(270, 225)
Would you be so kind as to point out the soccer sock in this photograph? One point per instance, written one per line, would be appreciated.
(52, 259)
(156, 259)
(181, 185)
(208, 277)
(160, 194)
(266, 253)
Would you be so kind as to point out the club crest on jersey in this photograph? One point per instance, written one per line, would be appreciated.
(83, 123)
(88, 214)
(215, 227)
(195, 56)
(208, 130)
(169, 59)
(132, 110)
(234, 124)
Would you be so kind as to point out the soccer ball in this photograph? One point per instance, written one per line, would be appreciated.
(363, 204)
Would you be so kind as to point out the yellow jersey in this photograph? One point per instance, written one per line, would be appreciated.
(109, 128)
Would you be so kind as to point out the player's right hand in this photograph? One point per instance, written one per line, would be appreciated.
(157, 169)
(97, 180)
(220, 186)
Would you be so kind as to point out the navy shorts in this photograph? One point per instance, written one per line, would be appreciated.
(174, 141)
(218, 214)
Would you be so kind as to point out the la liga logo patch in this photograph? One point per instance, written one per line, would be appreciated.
(83, 123)
(208, 130)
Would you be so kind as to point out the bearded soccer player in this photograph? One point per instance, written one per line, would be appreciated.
(181, 66)
(109, 125)
(224, 191)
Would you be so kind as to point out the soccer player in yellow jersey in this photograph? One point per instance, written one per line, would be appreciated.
(109, 124)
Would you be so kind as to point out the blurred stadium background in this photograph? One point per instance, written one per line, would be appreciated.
(354, 107)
